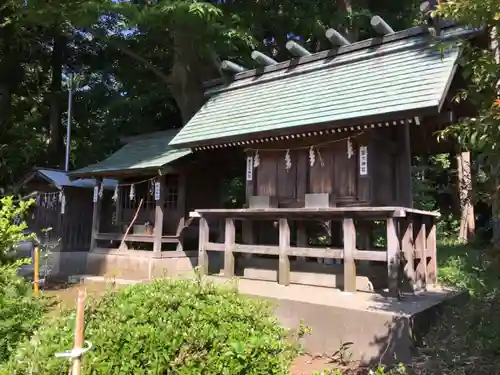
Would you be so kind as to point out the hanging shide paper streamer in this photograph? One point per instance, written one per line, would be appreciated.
(132, 192)
(152, 188)
(63, 204)
(350, 151)
(256, 159)
(115, 194)
(312, 156)
(101, 190)
(60, 196)
(288, 161)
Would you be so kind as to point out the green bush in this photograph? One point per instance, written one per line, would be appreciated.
(20, 312)
(182, 327)
(10, 231)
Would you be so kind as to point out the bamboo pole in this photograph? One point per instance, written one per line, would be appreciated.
(79, 328)
(36, 266)
(131, 224)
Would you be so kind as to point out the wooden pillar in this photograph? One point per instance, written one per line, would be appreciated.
(96, 214)
(349, 248)
(405, 189)
(247, 225)
(393, 257)
(119, 208)
(203, 239)
(408, 248)
(159, 214)
(230, 238)
(302, 167)
(431, 244)
(284, 245)
(420, 249)
(181, 195)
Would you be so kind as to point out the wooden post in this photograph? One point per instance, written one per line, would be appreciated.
(248, 226)
(284, 245)
(420, 245)
(393, 257)
(96, 215)
(79, 329)
(405, 189)
(349, 234)
(302, 168)
(159, 214)
(202, 246)
(431, 243)
(408, 248)
(36, 270)
(230, 237)
(119, 208)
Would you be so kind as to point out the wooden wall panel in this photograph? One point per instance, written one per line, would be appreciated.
(344, 171)
(321, 173)
(287, 179)
(267, 172)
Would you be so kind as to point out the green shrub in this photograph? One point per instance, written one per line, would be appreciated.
(182, 327)
(20, 312)
(10, 231)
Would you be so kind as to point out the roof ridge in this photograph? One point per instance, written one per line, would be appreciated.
(347, 49)
(334, 54)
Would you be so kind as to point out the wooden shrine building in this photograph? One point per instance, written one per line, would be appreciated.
(329, 139)
(149, 207)
(62, 205)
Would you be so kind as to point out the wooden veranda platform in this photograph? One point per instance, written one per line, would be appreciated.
(410, 252)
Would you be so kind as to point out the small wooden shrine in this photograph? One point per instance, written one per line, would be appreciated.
(329, 139)
(62, 205)
(157, 186)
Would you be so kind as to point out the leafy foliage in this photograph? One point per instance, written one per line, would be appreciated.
(20, 312)
(11, 224)
(166, 327)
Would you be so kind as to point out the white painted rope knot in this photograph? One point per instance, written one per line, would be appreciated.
(75, 353)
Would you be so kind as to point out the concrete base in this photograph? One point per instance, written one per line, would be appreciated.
(381, 329)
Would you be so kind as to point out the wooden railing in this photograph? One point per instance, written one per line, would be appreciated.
(410, 253)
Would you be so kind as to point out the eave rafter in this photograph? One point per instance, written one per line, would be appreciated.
(415, 120)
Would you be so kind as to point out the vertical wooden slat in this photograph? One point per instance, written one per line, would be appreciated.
(159, 214)
(202, 246)
(96, 218)
(432, 268)
(408, 247)
(230, 238)
(392, 257)
(349, 231)
(284, 245)
(421, 244)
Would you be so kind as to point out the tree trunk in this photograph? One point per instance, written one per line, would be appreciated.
(189, 71)
(467, 217)
(56, 146)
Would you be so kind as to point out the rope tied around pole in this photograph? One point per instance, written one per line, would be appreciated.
(75, 352)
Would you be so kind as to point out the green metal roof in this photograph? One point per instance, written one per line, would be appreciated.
(401, 76)
(151, 152)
